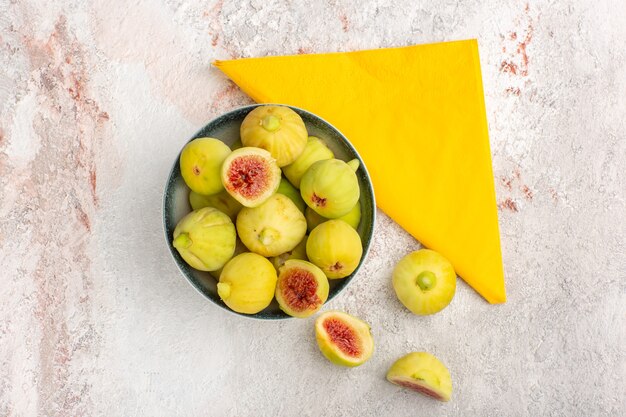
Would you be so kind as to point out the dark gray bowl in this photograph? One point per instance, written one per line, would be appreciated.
(226, 128)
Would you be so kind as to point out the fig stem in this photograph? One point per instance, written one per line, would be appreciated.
(354, 164)
(223, 290)
(426, 280)
(271, 122)
(182, 241)
(268, 236)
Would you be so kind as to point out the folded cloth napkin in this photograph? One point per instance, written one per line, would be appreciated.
(417, 117)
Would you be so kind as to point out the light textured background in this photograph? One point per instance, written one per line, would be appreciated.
(96, 99)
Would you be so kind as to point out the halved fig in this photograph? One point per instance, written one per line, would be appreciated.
(278, 129)
(200, 164)
(423, 373)
(274, 227)
(344, 339)
(302, 288)
(250, 176)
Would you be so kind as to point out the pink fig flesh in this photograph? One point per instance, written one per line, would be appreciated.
(342, 336)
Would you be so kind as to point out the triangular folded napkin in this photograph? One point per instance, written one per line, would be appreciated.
(417, 117)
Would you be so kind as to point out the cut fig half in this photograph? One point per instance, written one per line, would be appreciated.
(424, 373)
(250, 176)
(302, 288)
(344, 339)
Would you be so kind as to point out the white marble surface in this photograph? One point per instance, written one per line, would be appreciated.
(96, 99)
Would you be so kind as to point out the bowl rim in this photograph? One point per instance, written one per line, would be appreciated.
(368, 181)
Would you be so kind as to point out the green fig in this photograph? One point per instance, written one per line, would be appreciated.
(313, 219)
(314, 151)
(239, 249)
(200, 164)
(424, 281)
(277, 129)
(272, 228)
(330, 187)
(205, 239)
(353, 218)
(285, 188)
(247, 283)
(335, 247)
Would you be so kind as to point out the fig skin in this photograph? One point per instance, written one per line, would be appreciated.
(205, 239)
(424, 373)
(274, 227)
(312, 219)
(335, 248)
(221, 201)
(200, 165)
(315, 150)
(239, 249)
(285, 188)
(247, 283)
(250, 176)
(353, 218)
(359, 337)
(424, 281)
(299, 252)
(299, 289)
(354, 164)
(277, 129)
(330, 188)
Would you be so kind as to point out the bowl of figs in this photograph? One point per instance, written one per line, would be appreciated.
(269, 211)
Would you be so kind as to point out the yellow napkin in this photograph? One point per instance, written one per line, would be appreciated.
(417, 117)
